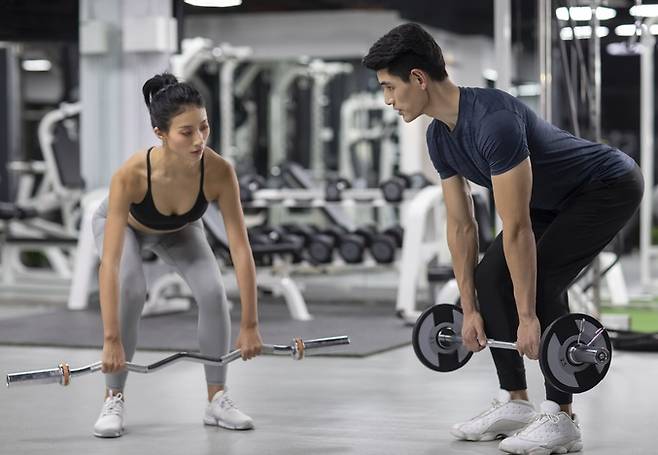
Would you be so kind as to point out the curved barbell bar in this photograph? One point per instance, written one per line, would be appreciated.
(63, 373)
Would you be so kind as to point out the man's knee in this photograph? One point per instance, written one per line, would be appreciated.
(490, 281)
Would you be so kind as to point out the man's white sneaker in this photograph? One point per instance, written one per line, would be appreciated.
(503, 418)
(222, 412)
(552, 432)
(110, 422)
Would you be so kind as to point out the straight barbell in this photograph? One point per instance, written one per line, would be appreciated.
(578, 353)
(574, 353)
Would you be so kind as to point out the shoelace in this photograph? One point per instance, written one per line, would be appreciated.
(541, 418)
(494, 405)
(114, 405)
(227, 403)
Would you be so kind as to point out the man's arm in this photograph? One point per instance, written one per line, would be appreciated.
(512, 191)
(461, 229)
(462, 233)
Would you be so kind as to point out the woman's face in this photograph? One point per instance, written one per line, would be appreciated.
(188, 133)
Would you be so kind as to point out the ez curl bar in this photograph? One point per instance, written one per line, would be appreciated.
(63, 374)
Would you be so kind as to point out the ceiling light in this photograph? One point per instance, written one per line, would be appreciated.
(624, 49)
(584, 13)
(490, 74)
(37, 65)
(630, 29)
(582, 32)
(529, 89)
(214, 3)
(644, 10)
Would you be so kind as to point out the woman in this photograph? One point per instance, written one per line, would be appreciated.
(156, 201)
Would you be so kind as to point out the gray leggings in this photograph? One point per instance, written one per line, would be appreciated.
(190, 254)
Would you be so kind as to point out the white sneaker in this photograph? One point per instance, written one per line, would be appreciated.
(552, 432)
(222, 412)
(110, 422)
(503, 418)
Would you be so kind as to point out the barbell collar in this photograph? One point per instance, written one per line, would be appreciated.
(582, 353)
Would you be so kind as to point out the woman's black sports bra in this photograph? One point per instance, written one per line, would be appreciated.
(147, 214)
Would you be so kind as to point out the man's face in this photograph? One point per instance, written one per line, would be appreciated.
(408, 98)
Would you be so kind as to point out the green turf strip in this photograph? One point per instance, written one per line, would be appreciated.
(642, 320)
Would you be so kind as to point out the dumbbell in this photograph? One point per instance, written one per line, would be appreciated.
(574, 353)
(393, 188)
(334, 189)
(279, 235)
(354, 244)
(296, 233)
(249, 184)
(385, 243)
(257, 238)
(324, 242)
(284, 235)
(304, 231)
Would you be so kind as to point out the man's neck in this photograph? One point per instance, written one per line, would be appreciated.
(443, 102)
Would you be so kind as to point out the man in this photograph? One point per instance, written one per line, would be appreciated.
(561, 199)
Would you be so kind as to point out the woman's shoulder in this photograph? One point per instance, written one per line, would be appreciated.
(132, 174)
(215, 164)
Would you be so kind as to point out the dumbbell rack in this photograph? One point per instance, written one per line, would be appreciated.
(293, 197)
(309, 198)
(422, 219)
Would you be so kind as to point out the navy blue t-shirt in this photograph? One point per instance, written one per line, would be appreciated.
(495, 132)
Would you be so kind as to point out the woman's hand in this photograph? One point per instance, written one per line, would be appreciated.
(249, 342)
(114, 358)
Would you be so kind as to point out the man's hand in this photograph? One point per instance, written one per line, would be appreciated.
(527, 337)
(473, 336)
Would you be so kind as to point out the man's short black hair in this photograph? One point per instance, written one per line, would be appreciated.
(404, 48)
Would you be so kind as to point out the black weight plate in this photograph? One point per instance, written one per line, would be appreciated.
(424, 340)
(558, 370)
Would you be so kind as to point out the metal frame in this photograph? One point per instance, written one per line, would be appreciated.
(355, 127)
(53, 239)
(199, 51)
(424, 240)
(284, 74)
(647, 116)
(545, 12)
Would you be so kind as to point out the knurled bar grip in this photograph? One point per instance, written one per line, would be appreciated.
(579, 353)
(63, 373)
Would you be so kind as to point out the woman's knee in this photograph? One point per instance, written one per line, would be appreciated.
(211, 294)
(133, 286)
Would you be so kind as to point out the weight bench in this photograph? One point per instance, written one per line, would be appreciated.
(17, 280)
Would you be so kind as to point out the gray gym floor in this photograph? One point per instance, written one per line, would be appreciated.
(384, 404)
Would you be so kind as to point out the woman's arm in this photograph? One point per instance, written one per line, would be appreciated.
(108, 274)
(229, 203)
